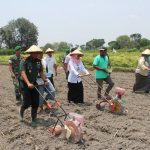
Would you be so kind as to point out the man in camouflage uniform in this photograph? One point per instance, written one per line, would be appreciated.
(30, 68)
(14, 62)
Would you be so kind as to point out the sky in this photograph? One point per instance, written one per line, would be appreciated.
(79, 21)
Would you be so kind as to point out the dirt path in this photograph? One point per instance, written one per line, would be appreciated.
(102, 129)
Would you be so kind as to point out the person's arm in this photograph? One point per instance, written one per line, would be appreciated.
(42, 74)
(24, 76)
(95, 65)
(11, 71)
(98, 68)
(10, 68)
(72, 69)
(142, 65)
(109, 63)
(65, 67)
(55, 66)
(66, 63)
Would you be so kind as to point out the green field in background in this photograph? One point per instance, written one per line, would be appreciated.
(120, 61)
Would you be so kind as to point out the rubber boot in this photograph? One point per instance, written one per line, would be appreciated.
(34, 116)
(21, 113)
(18, 97)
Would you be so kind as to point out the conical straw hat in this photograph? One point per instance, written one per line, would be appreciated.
(33, 49)
(77, 52)
(49, 50)
(146, 52)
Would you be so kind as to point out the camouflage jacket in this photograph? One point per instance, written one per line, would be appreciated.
(15, 62)
(32, 68)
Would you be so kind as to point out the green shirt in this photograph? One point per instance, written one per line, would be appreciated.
(32, 68)
(15, 61)
(101, 62)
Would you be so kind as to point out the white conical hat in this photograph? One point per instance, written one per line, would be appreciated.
(146, 52)
(33, 49)
(49, 50)
(77, 52)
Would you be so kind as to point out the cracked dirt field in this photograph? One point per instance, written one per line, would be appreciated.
(103, 130)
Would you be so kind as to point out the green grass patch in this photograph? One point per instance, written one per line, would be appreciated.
(4, 59)
(120, 61)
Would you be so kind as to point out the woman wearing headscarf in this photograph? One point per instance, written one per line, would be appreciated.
(142, 82)
(75, 86)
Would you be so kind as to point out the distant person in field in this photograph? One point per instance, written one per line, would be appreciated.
(51, 65)
(142, 73)
(101, 64)
(75, 86)
(66, 61)
(14, 63)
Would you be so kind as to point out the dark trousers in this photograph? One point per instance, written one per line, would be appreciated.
(51, 79)
(30, 98)
(75, 92)
(67, 74)
(110, 83)
(142, 83)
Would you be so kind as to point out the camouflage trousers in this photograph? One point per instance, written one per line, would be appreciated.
(16, 83)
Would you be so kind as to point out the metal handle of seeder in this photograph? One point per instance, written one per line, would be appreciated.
(93, 80)
(51, 111)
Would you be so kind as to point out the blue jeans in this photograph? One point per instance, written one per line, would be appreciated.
(49, 89)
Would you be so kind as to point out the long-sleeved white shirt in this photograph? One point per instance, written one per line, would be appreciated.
(67, 58)
(74, 70)
(143, 67)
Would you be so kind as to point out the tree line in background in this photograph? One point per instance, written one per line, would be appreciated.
(23, 32)
(18, 32)
(129, 42)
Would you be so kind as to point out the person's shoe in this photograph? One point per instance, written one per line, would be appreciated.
(146, 91)
(18, 97)
(21, 113)
(18, 100)
(20, 116)
(34, 116)
(17, 103)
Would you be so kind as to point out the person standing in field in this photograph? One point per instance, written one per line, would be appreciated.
(142, 73)
(49, 88)
(51, 65)
(101, 64)
(30, 68)
(14, 63)
(75, 86)
(66, 61)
